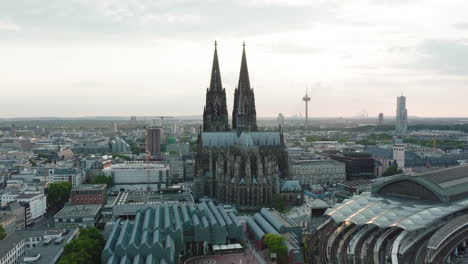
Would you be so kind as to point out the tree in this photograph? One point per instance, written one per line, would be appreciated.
(116, 155)
(194, 147)
(275, 244)
(278, 202)
(136, 149)
(2, 232)
(392, 170)
(311, 138)
(86, 249)
(58, 194)
(102, 179)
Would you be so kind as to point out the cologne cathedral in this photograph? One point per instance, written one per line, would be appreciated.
(239, 166)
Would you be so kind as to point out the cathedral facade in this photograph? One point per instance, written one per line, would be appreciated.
(239, 166)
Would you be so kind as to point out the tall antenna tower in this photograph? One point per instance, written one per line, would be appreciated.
(306, 99)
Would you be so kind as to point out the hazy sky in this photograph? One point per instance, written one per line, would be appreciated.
(153, 57)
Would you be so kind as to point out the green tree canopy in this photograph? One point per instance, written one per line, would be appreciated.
(2, 232)
(136, 149)
(102, 179)
(392, 170)
(116, 155)
(275, 244)
(58, 194)
(86, 249)
(278, 203)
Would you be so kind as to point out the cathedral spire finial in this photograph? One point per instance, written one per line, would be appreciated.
(215, 82)
(244, 81)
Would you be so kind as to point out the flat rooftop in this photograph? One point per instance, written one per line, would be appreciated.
(89, 187)
(137, 165)
(78, 211)
(129, 198)
(48, 253)
(52, 250)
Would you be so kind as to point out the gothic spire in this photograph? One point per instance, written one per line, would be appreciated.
(215, 115)
(215, 83)
(244, 81)
(244, 116)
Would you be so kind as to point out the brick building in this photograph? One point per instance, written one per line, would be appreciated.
(89, 194)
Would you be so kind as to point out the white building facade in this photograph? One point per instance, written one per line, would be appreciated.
(138, 176)
(399, 150)
(317, 172)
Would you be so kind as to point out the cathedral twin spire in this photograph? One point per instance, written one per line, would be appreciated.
(215, 82)
(244, 116)
(215, 115)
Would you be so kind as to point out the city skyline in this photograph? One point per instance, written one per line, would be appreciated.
(125, 58)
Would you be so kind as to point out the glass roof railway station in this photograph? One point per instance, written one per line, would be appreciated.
(404, 219)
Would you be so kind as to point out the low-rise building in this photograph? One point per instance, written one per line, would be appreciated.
(317, 172)
(8, 222)
(71, 175)
(12, 249)
(77, 216)
(119, 145)
(89, 194)
(138, 176)
(35, 203)
(35, 246)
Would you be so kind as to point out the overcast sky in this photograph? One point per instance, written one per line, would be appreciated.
(153, 57)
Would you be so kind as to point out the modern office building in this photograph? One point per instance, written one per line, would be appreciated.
(358, 165)
(404, 219)
(317, 172)
(89, 194)
(401, 116)
(138, 176)
(153, 140)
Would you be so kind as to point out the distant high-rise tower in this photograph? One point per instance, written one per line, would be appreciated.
(380, 122)
(153, 140)
(215, 115)
(401, 116)
(281, 120)
(306, 99)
